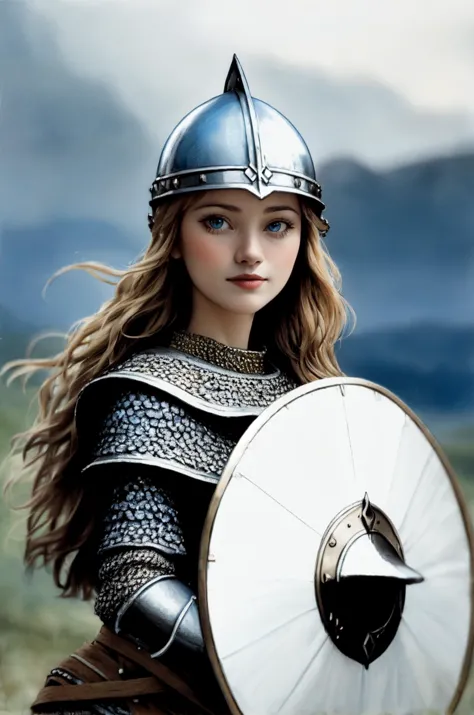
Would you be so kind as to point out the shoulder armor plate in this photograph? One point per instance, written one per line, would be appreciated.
(199, 384)
(164, 408)
(139, 427)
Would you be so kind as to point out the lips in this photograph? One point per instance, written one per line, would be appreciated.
(247, 277)
(248, 281)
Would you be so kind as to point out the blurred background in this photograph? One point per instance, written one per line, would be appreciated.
(382, 93)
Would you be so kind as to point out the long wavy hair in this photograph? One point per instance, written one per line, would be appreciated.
(300, 328)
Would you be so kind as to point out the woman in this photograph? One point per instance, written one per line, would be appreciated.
(233, 304)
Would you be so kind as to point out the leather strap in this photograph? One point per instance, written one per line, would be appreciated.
(98, 666)
(131, 652)
(105, 690)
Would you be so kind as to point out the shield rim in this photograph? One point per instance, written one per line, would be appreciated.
(205, 556)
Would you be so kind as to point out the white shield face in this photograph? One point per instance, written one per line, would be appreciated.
(309, 456)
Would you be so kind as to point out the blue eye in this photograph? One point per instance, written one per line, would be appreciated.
(216, 223)
(276, 226)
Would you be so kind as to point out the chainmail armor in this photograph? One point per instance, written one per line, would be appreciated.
(251, 362)
(206, 386)
(142, 514)
(142, 427)
(122, 574)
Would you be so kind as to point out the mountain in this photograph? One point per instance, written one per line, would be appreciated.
(31, 255)
(11, 325)
(14, 336)
(429, 366)
(403, 239)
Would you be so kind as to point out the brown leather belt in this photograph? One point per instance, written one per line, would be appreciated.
(107, 668)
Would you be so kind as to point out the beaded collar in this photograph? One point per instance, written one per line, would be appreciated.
(249, 362)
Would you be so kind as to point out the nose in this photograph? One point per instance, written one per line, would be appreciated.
(249, 249)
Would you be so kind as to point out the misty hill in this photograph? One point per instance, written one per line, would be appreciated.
(30, 256)
(429, 366)
(14, 335)
(11, 325)
(404, 240)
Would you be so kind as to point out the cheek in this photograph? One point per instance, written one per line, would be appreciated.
(202, 250)
(285, 257)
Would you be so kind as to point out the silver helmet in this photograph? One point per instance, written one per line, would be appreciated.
(235, 141)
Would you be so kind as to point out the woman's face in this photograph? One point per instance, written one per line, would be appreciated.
(239, 250)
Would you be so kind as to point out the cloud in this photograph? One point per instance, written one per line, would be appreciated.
(69, 146)
(360, 118)
(90, 91)
(365, 83)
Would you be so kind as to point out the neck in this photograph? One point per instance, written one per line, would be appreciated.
(233, 331)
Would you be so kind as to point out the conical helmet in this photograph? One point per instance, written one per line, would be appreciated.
(235, 141)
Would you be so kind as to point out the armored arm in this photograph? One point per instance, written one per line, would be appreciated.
(143, 592)
(164, 458)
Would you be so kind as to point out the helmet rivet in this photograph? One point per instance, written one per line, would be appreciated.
(176, 183)
(202, 179)
(297, 182)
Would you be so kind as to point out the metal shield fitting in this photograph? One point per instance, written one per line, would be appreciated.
(361, 579)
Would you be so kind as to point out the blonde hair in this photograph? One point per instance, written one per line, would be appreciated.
(151, 299)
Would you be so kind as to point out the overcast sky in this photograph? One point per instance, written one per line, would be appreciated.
(91, 89)
(412, 59)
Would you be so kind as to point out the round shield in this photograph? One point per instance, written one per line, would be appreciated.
(337, 560)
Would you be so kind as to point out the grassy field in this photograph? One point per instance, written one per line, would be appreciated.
(37, 629)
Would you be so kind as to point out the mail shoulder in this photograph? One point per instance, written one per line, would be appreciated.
(165, 409)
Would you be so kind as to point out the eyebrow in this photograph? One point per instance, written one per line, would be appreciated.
(230, 207)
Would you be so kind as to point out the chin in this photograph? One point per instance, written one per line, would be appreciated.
(249, 305)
